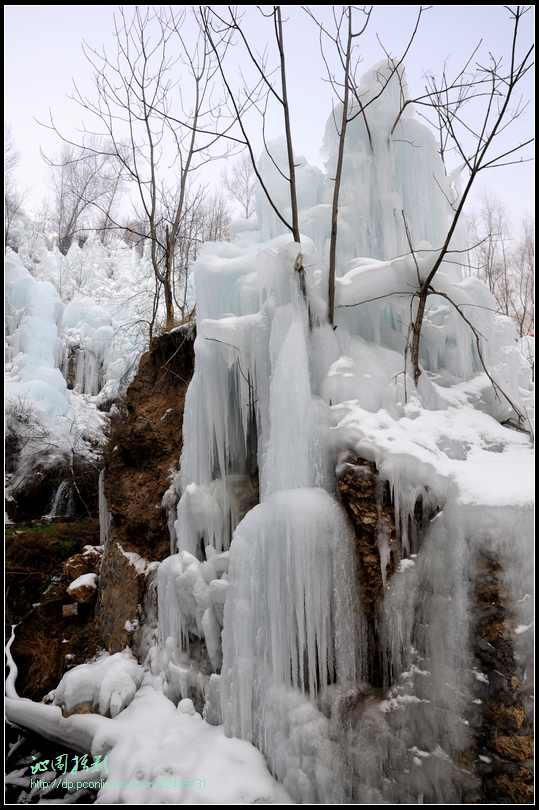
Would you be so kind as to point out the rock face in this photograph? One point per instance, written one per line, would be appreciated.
(367, 502)
(502, 755)
(504, 742)
(147, 440)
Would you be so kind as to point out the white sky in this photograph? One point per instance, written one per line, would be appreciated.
(43, 56)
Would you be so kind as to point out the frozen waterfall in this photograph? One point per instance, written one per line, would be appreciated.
(263, 619)
(273, 398)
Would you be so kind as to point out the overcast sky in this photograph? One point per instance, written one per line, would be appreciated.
(43, 56)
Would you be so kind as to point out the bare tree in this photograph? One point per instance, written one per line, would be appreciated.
(14, 195)
(491, 90)
(221, 28)
(487, 96)
(345, 50)
(12, 155)
(505, 263)
(85, 183)
(523, 299)
(240, 184)
(206, 219)
(490, 235)
(214, 220)
(344, 39)
(155, 108)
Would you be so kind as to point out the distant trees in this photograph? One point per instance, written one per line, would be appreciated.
(524, 285)
(240, 184)
(504, 261)
(85, 184)
(11, 161)
(206, 219)
(13, 193)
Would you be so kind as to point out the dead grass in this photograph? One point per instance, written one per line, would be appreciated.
(46, 643)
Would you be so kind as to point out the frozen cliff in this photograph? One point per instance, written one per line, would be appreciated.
(366, 620)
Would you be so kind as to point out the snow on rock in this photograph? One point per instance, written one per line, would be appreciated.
(84, 581)
(107, 686)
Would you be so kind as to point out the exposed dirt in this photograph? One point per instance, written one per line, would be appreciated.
(47, 642)
(146, 445)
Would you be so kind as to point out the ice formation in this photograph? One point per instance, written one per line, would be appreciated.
(74, 334)
(273, 595)
(273, 396)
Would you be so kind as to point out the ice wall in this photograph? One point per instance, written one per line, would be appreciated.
(74, 334)
(394, 160)
(39, 407)
(289, 401)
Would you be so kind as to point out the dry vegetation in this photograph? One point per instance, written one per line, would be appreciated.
(46, 643)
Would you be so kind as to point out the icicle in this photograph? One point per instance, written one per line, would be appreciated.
(105, 517)
(292, 614)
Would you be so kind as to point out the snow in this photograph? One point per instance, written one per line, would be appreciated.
(141, 759)
(260, 620)
(35, 313)
(80, 315)
(84, 581)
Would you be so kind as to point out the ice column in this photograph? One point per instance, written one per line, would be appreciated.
(291, 617)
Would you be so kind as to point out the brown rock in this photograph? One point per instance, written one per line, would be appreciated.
(493, 630)
(87, 562)
(500, 714)
(367, 502)
(517, 787)
(84, 594)
(514, 747)
(147, 445)
(488, 594)
(121, 591)
(75, 567)
(86, 709)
